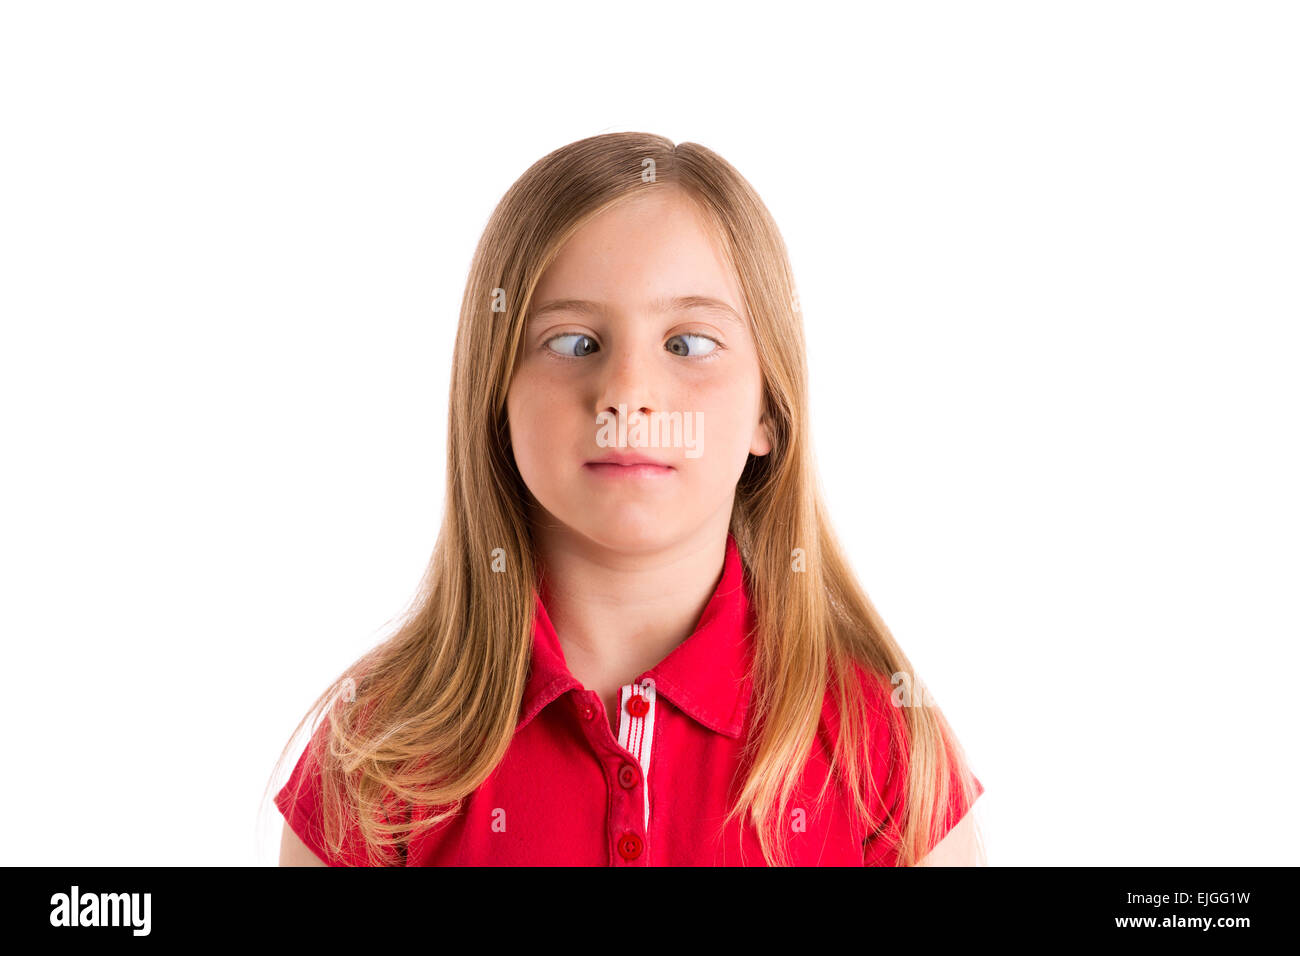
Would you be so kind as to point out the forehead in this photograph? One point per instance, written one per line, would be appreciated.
(652, 252)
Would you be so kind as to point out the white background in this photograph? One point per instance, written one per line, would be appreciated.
(1047, 258)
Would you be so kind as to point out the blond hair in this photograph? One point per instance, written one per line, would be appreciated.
(432, 709)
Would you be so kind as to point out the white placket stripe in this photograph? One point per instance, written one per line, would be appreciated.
(636, 734)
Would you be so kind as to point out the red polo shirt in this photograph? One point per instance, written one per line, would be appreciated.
(570, 792)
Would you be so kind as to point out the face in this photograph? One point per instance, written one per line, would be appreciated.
(638, 345)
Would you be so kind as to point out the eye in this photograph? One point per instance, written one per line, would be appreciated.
(584, 342)
(682, 350)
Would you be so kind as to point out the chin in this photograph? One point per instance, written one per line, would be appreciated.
(628, 532)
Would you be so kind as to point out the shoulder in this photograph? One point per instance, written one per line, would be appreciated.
(294, 851)
(312, 803)
(961, 846)
(871, 694)
(882, 749)
(886, 700)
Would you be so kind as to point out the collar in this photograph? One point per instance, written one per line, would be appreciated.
(707, 676)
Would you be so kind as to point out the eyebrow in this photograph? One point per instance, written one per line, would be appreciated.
(679, 303)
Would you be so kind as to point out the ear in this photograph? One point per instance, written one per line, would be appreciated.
(761, 443)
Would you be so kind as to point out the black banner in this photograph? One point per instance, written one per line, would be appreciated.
(1223, 905)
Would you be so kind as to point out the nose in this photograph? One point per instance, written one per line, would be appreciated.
(628, 380)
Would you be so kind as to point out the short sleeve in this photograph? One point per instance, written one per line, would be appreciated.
(299, 801)
(888, 754)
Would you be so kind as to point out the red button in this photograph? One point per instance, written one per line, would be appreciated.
(588, 712)
(629, 846)
(637, 706)
(627, 776)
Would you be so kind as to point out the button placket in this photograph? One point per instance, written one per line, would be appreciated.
(636, 736)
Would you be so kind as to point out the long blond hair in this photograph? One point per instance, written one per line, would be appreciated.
(423, 718)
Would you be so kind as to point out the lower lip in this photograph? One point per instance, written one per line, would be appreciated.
(609, 470)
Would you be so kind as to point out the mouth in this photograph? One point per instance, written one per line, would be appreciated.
(613, 466)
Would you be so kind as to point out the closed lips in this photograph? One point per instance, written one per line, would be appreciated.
(614, 460)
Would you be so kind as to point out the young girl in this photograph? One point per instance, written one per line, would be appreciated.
(637, 641)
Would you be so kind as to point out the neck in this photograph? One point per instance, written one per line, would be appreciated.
(618, 613)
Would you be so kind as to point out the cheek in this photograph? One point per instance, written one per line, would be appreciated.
(729, 417)
(725, 435)
(537, 427)
(521, 407)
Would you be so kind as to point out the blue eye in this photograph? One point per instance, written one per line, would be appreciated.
(678, 350)
(577, 345)
(567, 351)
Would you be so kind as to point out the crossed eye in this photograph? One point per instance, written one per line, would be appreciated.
(586, 344)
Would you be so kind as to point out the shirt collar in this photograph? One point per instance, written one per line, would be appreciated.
(707, 676)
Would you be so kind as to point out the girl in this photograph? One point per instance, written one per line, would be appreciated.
(637, 640)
